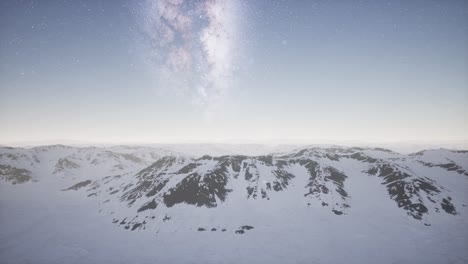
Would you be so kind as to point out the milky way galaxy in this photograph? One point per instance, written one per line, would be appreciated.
(193, 45)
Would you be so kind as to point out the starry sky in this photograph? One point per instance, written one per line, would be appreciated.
(209, 70)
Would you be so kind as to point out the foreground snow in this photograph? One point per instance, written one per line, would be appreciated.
(41, 223)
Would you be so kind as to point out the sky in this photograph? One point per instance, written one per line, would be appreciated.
(242, 70)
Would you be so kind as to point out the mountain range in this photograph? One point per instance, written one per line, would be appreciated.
(152, 190)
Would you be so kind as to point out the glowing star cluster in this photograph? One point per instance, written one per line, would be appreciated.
(193, 45)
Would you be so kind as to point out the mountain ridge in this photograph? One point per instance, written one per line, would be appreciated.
(150, 181)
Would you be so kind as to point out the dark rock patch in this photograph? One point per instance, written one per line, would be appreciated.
(373, 171)
(205, 157)
(242, 229)
(79, 185)
(407, 190)
(249, 191)
(200, 191)
(333, 157)
(157, 188)
(187, 168)
(337, 212)
(448, 206)
(147, 206)
(135, 226)
(384, 150)
(14, 175)
(283, 179)
(158, 165)
(268, 160)
(248, 175)
(338, 179)
(361, 157)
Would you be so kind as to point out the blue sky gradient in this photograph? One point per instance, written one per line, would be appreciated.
(306, 70)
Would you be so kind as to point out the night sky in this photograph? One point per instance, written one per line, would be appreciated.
(171, 71)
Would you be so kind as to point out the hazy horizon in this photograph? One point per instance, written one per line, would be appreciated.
(252, 148)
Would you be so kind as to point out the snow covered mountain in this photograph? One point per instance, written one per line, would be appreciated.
(161, 191)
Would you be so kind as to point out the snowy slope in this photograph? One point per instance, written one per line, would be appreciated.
(60, 161)
(303, 205)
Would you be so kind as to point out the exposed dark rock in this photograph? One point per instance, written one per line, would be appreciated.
(283, 179)
(248, 175)
(206, 157)
(333, 157)
(199, 190)
(147, 206)
(250, 191)
(156, 166)
(156, 189)
(448, 166)
(337, 212)
(405, 189)
(137, 191)
(79, 185)
(448, 206)
(361, 157)
(243, 228)
(384, 150)
(135, 226)
(14, 175)
(131, 157)
(281, 164)
(64, 164)
(234, 162)
(373, 171)
(451, 166)
(268, 160)
(187, 168)
(338, 179)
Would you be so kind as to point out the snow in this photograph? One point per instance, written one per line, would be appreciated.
(40, 223)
